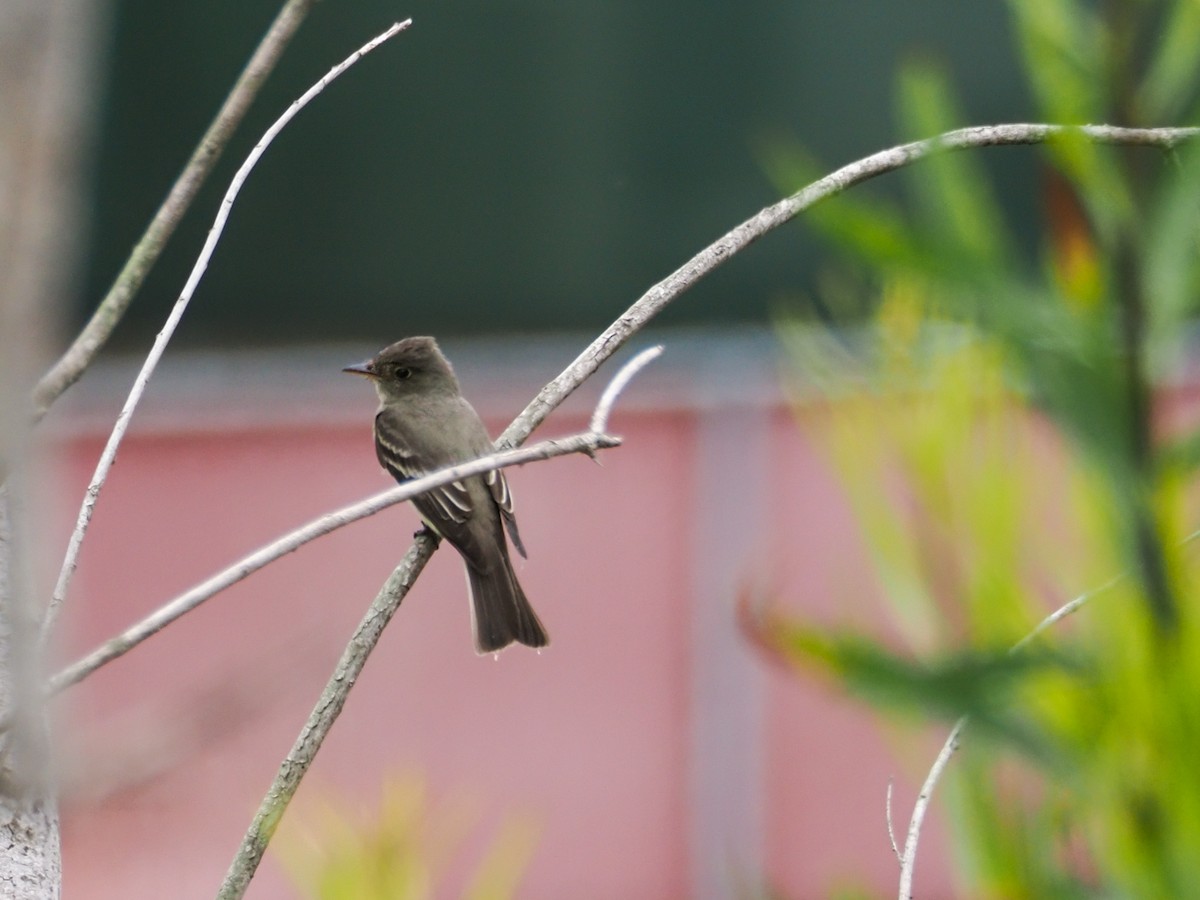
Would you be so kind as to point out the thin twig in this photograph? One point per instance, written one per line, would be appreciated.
(908, 860)
(609, 397)
(319, 723)
(112, 308)
(887, 811)
(118, 646)
(109, 455)
(1071, 606)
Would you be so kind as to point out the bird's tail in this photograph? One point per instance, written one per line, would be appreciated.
(500, 613)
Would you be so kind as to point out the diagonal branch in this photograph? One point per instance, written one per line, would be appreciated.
(95, 334)
(354, 657)
(109, 454)
(324, 714)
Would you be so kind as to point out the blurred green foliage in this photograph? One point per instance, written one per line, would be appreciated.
(1004, 434)
(410, 849)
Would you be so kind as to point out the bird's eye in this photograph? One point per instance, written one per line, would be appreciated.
(403, 373)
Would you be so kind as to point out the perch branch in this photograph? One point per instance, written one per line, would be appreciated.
(588, 442)
(95, 334)
(109, 455)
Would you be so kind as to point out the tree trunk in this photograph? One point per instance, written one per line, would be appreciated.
(45, 71)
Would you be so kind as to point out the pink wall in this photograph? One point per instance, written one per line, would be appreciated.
(604, 738)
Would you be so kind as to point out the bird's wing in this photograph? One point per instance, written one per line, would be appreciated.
(408, 452)
(498, 485)
(448, 505)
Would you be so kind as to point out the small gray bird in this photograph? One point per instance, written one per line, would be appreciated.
(424, 424)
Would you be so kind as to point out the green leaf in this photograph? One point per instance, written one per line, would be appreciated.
(1062, 42)
(1172, 267)
(958, 210)
(1170, 84)
(982, 685)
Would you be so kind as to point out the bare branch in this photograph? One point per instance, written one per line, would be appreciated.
(112, 308)
(118, 646)
(657, 297)
(109, 455)
(632, 320)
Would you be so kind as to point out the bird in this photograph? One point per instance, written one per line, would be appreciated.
(424, 424)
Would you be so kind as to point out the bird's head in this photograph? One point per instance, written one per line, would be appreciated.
(408, 367)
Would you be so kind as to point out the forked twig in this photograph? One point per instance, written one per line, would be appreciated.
(908, 860)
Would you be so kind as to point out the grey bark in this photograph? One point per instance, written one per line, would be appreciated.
(30, 861)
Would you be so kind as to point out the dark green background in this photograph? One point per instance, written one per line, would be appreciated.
(504, 166)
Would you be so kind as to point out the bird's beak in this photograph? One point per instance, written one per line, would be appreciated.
(363, 368)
